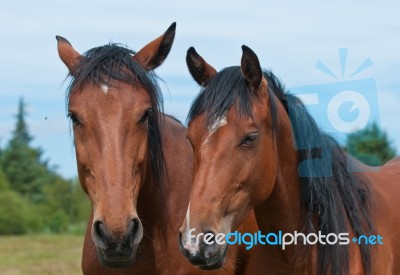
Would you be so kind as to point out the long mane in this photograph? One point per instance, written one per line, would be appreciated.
(113, 63)
(330, 194)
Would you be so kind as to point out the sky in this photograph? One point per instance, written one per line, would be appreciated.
(289, 37)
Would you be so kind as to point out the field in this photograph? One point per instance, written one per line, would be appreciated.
(40, 254)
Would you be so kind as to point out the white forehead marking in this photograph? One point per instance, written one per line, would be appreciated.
(104, 88)
(215, 126)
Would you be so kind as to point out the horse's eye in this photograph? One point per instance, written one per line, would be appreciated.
(74, 119)
(249, 139)
(146, 115)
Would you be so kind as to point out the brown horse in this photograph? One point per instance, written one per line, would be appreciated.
(134, 162)
(257, 146)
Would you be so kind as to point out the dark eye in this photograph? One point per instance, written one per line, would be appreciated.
(74, 119)
(146, 115)
(249, 139)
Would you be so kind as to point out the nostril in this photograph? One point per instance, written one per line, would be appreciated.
(100, 231)
(133, 226)
(134, 230)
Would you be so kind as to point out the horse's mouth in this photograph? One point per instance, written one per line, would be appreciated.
(215, 264)
(116, 262)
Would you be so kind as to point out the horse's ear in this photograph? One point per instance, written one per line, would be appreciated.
(67, 53)
(201, 71)
(153, 54)
(251, 69)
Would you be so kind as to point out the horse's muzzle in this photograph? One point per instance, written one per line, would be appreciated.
(206, 256)
(117, 251)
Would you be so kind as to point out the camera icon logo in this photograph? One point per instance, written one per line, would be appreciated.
(344, 122)
(343, 106)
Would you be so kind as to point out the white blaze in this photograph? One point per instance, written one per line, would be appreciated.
(190, 244)
(104, 88)
(215, 126)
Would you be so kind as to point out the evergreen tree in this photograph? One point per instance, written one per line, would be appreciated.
(21, 163)
(371, 145)
(4, 185)
(21, 133)
(17, 215)
(33, 197)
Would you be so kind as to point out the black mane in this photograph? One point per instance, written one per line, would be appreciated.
(331, 198)
(106, 64)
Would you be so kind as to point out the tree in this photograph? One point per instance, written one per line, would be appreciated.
(21, 133)
(13, 214)
(65, 203)
(17, 215)
(371, 145)
(33, 197)
(4, 185)
(22, 164)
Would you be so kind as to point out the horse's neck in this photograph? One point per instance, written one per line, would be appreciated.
(172, 201)
(149, 198)
(281, 211)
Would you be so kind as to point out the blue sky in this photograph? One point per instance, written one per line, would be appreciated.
(288, 36)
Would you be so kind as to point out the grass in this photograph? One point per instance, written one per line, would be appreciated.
(40, 254)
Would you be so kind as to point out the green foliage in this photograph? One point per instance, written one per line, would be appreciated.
(33, 197)
(371, 146)
(23, 168)
(4, 185)
(21, 133)
(22, 164)
(81, 203)
(16, 216)
(64, 203)
(58, 222)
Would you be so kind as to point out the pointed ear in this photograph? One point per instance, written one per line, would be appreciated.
(153, 54)
(200, 70)
(67, 53)
(251, 69)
